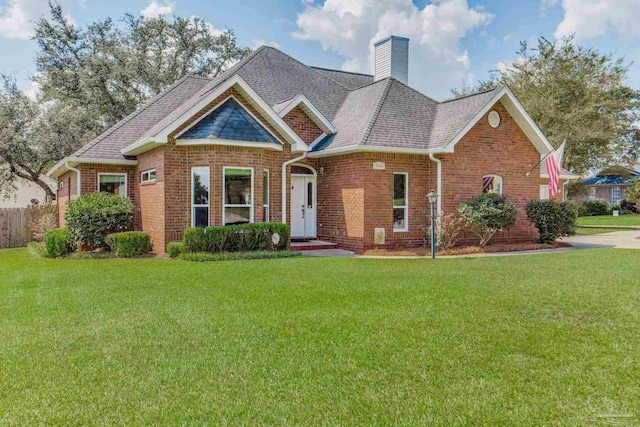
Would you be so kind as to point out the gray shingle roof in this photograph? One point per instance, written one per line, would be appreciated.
(345, 78)
(385, 113)
(131, 128)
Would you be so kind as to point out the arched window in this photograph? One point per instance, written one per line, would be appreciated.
(492, 184)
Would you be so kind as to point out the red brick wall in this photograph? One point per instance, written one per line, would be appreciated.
(152, 206)
(302, 125)
(506, 152)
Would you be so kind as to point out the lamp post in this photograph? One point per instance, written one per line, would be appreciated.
(433, 199)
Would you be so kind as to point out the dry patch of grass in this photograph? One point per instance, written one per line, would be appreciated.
(467, 250)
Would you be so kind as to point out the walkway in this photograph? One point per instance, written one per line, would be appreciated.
(617, 239)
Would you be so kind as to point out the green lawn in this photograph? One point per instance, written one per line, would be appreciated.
(622, 220)
(585, 231)
(550, 339)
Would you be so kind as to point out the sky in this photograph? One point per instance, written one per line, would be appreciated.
(452, 41)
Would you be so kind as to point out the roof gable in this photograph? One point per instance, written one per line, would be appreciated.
(230, 120)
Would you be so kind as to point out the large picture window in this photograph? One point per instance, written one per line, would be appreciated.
(200, 197)
(238, 196)
(400, 202)
(115, 183)
(265, 195)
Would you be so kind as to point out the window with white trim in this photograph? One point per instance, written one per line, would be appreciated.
(115, 183)
(265, 195)
(200, 196)
(616, 195)
(400, 201)
(148, 176)
(492, 184)
(237, 196)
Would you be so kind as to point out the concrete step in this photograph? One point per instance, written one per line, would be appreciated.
(312, 245)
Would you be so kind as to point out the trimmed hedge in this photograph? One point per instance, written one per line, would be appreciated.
(594, 207)
(95, 215)
(552, 219)
(232, 256)
(58, 242)
(129, 244)
(257, 236)
(174, 249)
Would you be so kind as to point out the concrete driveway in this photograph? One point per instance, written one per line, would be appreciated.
(618, 239)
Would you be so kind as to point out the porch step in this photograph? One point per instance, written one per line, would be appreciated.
(312, 245)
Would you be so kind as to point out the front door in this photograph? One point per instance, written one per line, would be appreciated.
(303, 206)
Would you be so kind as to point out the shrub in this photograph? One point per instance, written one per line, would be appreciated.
(487, 215)
(629, 207)
(175, 248)
(128, 244)
(594, 207)
(448, 226)
(632, 193)
(552, 219)
(93, 216)
(259, 236)
(44, 220)
(232, 256)
(58, 242)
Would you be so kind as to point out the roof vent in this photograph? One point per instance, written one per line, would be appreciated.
(392, 59)
(494, 119)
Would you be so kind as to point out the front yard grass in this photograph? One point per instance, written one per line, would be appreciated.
(586, 231)
(604, 220)
(548, 339)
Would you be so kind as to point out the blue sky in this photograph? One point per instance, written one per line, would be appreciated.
(451, 40)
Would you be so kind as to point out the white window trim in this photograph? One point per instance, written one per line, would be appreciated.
(148, 172)
(494, 176)
(406, 202)
(224, 193)
(193, 205)
(266, 206)
(126, 183)
(618, 190)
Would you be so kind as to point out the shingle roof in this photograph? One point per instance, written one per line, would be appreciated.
(345, 78)
(131, 128)
(612, 179)
(563, 171)
(384, 113)
(229, 121)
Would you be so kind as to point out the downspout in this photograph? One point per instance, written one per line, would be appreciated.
(438, 162)
(284, 184)
(77, 171)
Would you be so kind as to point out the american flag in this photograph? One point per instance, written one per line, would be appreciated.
(554, 161)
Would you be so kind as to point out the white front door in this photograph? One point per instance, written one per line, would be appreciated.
(303, 206)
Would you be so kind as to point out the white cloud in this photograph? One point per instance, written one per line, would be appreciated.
(437, 62)
(259, 42)
(591, 18)
(18, 16)
(33, 91)
(155, 9)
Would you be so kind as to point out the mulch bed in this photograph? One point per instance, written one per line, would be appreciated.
(466, 250)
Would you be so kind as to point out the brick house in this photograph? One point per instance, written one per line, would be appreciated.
(609, 184)
(343, 157)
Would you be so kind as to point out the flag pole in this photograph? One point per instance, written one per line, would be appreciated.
(544, 158)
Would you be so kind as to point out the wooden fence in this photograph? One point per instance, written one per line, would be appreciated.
(14, 226)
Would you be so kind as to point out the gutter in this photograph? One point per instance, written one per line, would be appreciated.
(438, 162)
(79, 178)
(284, 184)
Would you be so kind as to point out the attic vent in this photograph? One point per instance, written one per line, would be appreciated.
(494, 119)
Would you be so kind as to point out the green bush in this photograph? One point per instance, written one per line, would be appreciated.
(129, 244)
(552, 219)
(259, 236)
(232, 256)
(488, 214)
(175, 248)
(58, 242)
(594, 207)
(93, 216)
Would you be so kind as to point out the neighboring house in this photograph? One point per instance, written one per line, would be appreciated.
(565, 178)
(339, 156)
(26, 194)
(610, 184)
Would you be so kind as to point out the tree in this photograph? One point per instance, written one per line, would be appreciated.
(34, 135)
(632, 193)
(575, 94)
(487, 215)
(111, 69)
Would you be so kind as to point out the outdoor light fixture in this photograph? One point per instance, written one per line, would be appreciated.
(433, 199)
